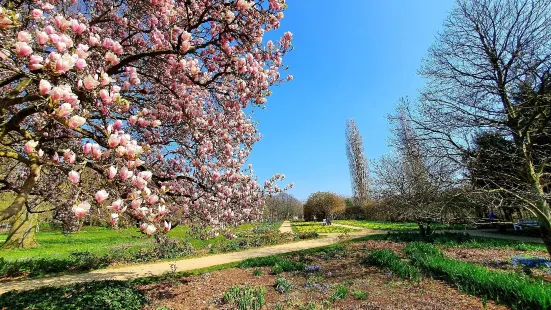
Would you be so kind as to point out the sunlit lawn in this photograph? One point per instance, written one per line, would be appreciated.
(401, 226)
(304, 227)
(99, 240)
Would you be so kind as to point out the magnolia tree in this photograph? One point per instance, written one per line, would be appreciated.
(135, 108)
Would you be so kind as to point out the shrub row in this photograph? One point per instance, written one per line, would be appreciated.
(504, 287)
(112, 295)
(389, 260)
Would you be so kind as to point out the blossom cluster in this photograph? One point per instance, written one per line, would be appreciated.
(138, 107)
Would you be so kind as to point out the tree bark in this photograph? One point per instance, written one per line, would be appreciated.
(545, 231)
(23, 195)
(22, 233)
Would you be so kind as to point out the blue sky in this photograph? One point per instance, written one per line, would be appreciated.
(351, 59)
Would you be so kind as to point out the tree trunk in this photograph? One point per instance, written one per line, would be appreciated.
(421, 229)
(19, 203)
(546, 237)
(22, 233)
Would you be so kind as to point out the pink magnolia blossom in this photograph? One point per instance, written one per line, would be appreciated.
(167, 226)
(36, 14)
(76, 121)
(114, 141)
(74, 177)
(114, 218)
(162, 210)
(24, 36)
(96, 151)
(125, 173)
(111, 172)
(82, 209)
(64, 110)
(105, 97)
(117, 125)
(44, 87)
(117, 205)
(35, 59)
(80, 64)
(90, 83)
(69, 156)
(111, 58)
(146, 175)
(22, 49)
(150, 230)
(87, 148)
(64, 64)
(101, 195)
(30, 146)
(153, 199)
(136, 203)
(41, 37)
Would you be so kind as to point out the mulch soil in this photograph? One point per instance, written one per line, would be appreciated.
(383, 289)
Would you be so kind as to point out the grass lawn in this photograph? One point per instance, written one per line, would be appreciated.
(100, 240)
(399, 226)
(304, 227)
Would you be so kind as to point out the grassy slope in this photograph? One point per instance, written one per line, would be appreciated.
(103, 240)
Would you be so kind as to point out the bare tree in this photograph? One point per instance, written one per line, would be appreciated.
(283, 206)
(487, 55)
(357, 163)
(410, 184)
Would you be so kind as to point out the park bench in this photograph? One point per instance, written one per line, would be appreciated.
(526, 223)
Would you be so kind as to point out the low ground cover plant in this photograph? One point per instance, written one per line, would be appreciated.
(282, 285)
(507, 288)
(114, 295)
(245, 297)
(389, 260)
(340, 293)
(278, 264)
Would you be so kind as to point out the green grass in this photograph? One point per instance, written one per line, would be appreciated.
(462, 240)
(95, 240)
(306, 227)
(100, 240)
(398, 226)
(389, 260)
(515, 290)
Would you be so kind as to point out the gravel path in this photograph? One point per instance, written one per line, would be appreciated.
(286, 227)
